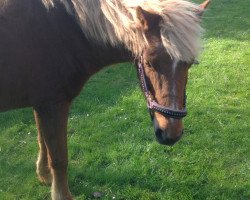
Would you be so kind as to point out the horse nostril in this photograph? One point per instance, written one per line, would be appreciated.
(158, 134)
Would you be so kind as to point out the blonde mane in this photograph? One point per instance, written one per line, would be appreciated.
(114, 22)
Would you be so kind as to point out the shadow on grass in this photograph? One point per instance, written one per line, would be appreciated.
(106, 88)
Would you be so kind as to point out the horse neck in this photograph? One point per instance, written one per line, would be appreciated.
(105, 55)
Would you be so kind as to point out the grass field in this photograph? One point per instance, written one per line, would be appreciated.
(112, 148)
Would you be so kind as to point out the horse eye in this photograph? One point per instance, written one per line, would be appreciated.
(148, 63)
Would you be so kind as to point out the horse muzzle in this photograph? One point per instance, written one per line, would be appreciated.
(167, 130)
(163, 138)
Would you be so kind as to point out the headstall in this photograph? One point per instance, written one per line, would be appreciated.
(152, 104)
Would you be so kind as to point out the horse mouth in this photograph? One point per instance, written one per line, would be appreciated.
(164, 140)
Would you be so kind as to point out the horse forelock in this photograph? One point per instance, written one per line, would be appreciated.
(114, 22)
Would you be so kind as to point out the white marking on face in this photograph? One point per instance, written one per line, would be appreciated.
(174, 89)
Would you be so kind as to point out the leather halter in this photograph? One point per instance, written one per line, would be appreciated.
(152, 104)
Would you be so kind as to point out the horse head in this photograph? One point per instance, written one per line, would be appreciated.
(164, 74)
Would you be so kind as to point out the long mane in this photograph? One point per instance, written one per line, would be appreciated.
(115, 22)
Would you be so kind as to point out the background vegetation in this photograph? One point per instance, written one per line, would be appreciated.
(112, 147)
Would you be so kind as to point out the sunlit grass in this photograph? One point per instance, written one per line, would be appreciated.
(112, 148)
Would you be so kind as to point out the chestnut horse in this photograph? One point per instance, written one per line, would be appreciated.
(50, 48)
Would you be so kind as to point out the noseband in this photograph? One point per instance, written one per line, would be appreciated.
(152, 104)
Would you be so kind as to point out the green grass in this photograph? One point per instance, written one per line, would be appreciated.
(112, 148)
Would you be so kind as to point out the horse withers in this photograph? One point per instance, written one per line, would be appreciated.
(50, 48)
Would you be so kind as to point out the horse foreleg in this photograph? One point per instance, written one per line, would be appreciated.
(53, 124)
(42, 166)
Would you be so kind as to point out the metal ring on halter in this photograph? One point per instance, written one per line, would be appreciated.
(152, 104)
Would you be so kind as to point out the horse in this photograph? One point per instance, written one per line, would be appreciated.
(50, 48)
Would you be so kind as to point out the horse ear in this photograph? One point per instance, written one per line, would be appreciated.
(203, 6)
(147, 20)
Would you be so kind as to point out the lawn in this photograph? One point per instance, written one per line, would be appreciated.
(112, 148)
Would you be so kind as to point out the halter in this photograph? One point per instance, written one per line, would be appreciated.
(152, 104)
